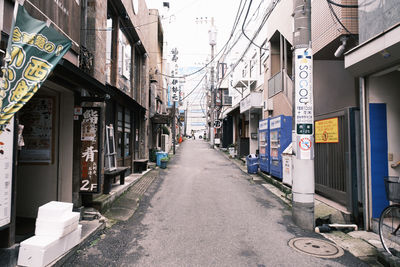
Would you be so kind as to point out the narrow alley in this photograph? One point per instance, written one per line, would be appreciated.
(204, 211)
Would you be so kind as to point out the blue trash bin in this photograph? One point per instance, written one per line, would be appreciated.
(252, 163)
(160, 155)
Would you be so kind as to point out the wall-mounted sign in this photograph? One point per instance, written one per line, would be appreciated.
(37, 116)
(6, 160)
(90, 148)
(327, 131)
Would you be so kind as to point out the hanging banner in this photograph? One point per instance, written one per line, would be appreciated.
(6, 163)
(327, 131)
(304, 108)
(90, 149)
(34, 49)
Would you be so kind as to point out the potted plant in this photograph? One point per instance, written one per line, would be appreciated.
(163, 162)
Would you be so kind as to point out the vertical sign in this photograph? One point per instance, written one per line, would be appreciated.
(304, 109)
(90, 146)
(6, 160)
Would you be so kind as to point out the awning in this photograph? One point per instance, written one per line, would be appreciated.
(378, 53)
(71, 74)
(123, 98)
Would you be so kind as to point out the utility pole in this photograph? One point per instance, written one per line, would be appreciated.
(303, 117)
(213, 41)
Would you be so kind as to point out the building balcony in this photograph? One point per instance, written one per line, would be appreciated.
(253, 101)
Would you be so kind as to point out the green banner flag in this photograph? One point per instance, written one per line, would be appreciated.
(33, 51)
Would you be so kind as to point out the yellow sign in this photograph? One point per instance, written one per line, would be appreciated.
(327, 131)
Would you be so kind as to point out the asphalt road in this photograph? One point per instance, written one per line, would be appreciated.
(204, 211)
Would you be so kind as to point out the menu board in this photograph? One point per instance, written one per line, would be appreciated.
(90, 147)
(6, 159)
(37, 117)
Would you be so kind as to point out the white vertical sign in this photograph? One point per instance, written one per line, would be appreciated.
(6, 164)
(304, 107)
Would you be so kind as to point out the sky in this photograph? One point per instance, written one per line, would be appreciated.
(187, 24)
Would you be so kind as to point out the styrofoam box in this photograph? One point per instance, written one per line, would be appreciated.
(41, 250)
(55, 230)
(57, 226)
(54, 209)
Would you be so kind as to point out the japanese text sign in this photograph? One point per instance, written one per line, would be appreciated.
(327, 131)
(34, 49)
(90, 147)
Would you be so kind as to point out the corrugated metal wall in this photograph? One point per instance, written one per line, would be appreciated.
(330, 165)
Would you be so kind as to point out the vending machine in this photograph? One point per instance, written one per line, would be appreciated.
(280, 136)
(263, 144)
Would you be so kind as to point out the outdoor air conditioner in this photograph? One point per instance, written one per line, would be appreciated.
(164, 143)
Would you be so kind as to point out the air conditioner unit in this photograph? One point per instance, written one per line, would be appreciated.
(164, 143)
(269, 104)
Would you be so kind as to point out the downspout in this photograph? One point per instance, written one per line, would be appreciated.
(364, 154)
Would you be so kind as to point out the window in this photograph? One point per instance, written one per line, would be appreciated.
(127, 134)
(110, 162)
(124, 56)
(109, 49)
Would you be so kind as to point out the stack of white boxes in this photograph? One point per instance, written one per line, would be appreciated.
(57, 231)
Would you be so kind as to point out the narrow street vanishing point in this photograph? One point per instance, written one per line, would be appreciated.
(204, 211)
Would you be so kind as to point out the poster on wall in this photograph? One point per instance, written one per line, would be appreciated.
(327, 131)
(90, 148)
(38, 117)
(6, 160)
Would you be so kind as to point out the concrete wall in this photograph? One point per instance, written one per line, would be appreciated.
(96, 40)
(334, 87)
(385, 89)
(377, 16)
(281, 20)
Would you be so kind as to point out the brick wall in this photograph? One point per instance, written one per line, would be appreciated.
(324, 26)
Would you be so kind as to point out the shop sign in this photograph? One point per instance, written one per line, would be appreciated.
(304, 108)
(33, 51)
(327, 131)
(90, 149)
(303, 87)
(6, 163)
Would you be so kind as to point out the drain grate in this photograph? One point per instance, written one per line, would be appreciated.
(316, 247)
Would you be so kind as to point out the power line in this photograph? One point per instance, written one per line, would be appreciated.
(341, 5)
(244, 21)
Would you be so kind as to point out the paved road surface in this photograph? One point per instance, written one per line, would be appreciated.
(204, 211)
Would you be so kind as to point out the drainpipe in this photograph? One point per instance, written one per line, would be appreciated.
(364, 155)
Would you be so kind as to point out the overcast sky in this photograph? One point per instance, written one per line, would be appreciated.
(186, 27)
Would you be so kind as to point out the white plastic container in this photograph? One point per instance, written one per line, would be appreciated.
(42, 250)
(54, 209)
(58, 226)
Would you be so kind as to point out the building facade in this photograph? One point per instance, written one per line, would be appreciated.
(99, 92)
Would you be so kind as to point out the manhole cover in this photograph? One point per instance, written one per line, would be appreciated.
(316, 247)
